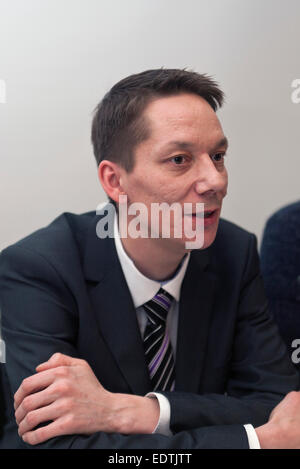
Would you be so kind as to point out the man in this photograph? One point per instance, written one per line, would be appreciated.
(94, 325)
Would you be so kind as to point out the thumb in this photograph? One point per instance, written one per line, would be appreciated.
(57, 359)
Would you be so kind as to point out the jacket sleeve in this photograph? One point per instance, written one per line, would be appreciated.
(260, 373)
(30, 290)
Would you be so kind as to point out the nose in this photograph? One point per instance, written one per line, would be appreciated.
(210, 179)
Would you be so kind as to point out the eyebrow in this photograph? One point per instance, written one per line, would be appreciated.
(222, 143)
(188, 146)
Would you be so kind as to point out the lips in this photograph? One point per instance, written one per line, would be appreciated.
(209, 214)
(205, 214)
(210, 217)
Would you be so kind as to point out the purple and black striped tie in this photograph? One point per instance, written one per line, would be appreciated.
(158, 349)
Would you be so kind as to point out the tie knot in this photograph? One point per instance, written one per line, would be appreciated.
(157, 309)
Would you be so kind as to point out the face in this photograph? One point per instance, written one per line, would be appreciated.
(181, 162)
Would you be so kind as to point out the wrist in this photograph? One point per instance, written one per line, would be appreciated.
(135, 414)
(268, 436)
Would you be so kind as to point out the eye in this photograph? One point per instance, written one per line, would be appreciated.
(218, 157)
(178, 159)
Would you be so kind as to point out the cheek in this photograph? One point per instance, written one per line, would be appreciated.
(174, 194)
(153, 189)
(174, 190)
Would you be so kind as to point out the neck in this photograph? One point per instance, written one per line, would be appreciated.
(153, 257)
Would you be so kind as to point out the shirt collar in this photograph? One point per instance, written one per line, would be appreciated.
(142, 288)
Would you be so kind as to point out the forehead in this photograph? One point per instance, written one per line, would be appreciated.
(181, 116)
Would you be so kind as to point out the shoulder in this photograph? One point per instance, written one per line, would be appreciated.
(286, 212)
(59, 243)
(284, 225)
(62, 229)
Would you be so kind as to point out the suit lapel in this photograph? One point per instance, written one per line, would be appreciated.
(195, 307)
(117, 322)
(115, 312)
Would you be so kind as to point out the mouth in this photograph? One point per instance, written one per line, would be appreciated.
(205, 214)
(210, 217)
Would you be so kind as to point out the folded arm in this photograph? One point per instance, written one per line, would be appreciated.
(32, 290)
(39, 319)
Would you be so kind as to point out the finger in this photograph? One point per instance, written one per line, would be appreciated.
(57, 359)
(35, 401)
(33, 384)
(40, 435)
(35, 417)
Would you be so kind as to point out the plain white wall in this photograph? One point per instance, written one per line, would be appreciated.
(58, 58)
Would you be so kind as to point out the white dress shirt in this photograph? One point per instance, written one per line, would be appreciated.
(143, 289)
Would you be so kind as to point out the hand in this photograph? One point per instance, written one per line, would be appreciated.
(282, 431)
(66, 392)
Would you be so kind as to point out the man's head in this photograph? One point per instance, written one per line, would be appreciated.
(157, 139)
(119, 122)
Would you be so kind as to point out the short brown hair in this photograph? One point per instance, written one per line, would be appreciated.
(118, 125)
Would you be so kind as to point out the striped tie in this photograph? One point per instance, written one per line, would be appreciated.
(158, 349)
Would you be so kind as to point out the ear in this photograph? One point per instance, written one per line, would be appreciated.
(109, 174)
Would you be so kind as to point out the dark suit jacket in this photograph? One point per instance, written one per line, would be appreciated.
(280, 266)
(63, 290)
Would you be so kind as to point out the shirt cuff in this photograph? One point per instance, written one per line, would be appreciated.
(163, 425)
(252, 437)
